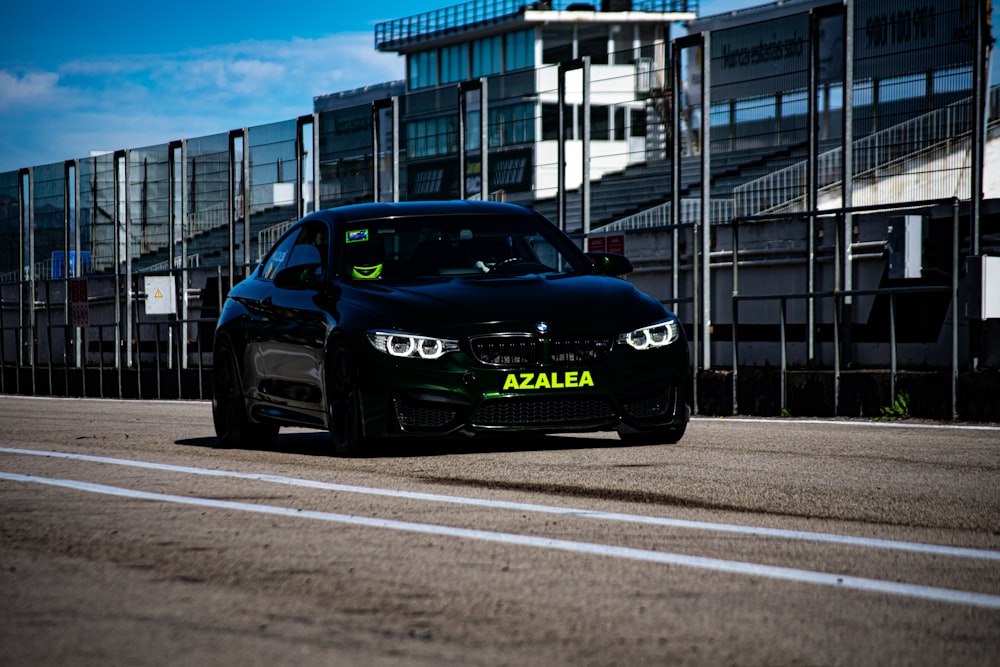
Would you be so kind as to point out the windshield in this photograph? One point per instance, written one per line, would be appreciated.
(464, 246)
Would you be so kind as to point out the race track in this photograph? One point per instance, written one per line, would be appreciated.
(130, 538)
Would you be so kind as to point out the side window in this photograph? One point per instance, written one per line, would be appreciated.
(278, 257)
(307, 245)
(311, 248)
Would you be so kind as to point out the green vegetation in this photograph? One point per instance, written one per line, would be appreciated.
(898, 410)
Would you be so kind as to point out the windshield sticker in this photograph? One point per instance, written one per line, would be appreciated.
(357, 236)
(564, 380)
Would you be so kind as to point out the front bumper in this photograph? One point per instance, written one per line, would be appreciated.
(642, 390)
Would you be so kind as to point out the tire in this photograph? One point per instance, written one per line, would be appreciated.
(343, 405)
(233, 427)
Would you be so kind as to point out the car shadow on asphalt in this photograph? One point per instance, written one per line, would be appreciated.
(317, 443)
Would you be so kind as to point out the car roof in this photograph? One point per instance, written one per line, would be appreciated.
(376, 211)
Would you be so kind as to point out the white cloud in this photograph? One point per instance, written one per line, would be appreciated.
(141, 100)
(27, 90)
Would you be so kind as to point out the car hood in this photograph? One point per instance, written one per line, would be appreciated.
(467, 306)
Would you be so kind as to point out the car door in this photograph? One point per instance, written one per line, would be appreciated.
(292, 327)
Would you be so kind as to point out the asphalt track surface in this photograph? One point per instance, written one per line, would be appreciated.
(127, 537)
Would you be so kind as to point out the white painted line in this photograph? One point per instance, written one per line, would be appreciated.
(830, 538)
(792, 421)
(589, 548)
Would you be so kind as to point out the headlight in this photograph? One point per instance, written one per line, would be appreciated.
(656, 335)
(398, 344)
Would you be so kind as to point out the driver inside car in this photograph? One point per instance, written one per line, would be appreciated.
(366, 256)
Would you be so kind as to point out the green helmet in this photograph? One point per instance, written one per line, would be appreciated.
(366, 255)
(366, 272)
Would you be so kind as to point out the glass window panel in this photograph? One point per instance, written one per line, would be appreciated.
(600, 123)
(557, 44)
(486, 56)
(593, 42)
(520, 50)
(455, 63)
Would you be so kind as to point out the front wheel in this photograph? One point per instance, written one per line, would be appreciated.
(343, 405)
(229, 415)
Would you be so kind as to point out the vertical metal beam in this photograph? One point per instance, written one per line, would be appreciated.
(980, 82)
(129, 294)
(561, 148)
(848, 166)
(675, 169)
(231, 205)
(396, 141)
(316, 163)
(303, 153)
(484, 140)
(706, 196)
(691, 41)
(565, 66)
(245, 199)
(26, 252)
(736, 313)
(377, 107)
(811, 184)
(585, 141)
(462, 107)
(954, 307)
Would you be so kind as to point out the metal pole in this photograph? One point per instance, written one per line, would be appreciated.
(892, 347)
(675, 169)
(836, 354)
(315, 162)
(736, 311)
(245, 199)
(376, 111)
(954, 308)
(848, 153)
(561, 149)
(185, 203)
(395, 150)
(585, 140)
(811, 184)
(462, 105)
(980, 64)
(484, 140)
(784, 358)
(301, 151)
(706, 196)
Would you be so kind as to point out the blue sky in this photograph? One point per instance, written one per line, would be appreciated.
(76, 77)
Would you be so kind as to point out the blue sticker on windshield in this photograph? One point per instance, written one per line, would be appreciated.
(357, 236)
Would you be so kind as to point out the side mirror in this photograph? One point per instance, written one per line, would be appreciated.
(610, 263)
(303, 276)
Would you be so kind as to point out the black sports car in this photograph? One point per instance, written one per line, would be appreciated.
(443, 318)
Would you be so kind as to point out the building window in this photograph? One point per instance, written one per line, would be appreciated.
(600, 123)
(638, 123)
(519, 50)
(423, 70)
(486, 57)
(550, 121)
(619, 123)
(557, 44)
(472, 130)
(512, 125)
(432, 137)
(593, 42)
(455, 63)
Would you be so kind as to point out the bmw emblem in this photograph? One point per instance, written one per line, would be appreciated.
(541, 327)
